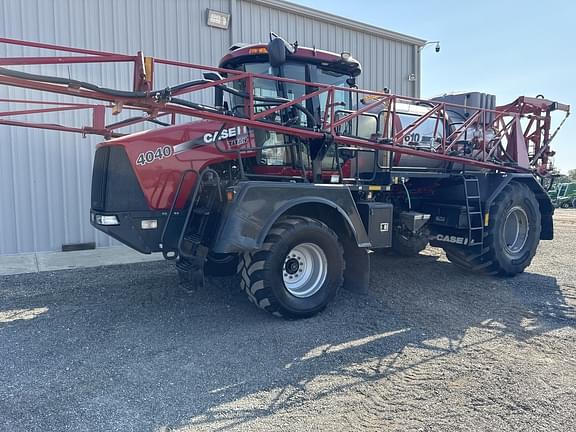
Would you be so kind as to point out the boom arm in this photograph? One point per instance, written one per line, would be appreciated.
(500, 142)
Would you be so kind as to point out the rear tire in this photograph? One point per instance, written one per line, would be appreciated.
(298, 270)
(511, 238)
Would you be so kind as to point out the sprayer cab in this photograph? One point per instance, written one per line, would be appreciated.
(292, 68)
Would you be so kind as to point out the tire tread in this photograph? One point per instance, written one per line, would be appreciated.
(486, 261)
(252, 265)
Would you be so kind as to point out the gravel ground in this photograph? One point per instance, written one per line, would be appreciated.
(122, 348)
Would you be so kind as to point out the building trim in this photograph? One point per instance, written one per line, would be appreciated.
(338, 20)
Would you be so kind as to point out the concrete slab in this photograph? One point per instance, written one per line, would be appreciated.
(51, 261)
(17, 264)
(91, 258)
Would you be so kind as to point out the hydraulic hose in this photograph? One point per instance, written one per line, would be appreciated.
(407, 194)
(163, 94)
(83, 84)
(193, 105)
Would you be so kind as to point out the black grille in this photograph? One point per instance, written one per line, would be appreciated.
(100, 178)
(115, 187)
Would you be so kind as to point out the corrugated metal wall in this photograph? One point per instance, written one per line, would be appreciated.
(385, 62)
(45, 176)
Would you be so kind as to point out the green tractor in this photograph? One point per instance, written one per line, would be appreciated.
(564, 195)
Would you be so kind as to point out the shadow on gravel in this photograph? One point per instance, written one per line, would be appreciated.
(123, 348)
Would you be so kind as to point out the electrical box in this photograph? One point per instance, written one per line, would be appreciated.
(447, 215)
(377, 218)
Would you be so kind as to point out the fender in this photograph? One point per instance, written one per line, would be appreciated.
(546, 206)
(258, 205)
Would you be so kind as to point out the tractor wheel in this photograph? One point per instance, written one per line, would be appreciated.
(565, 205)
(408, 245)
(298, 270)
(511, 238)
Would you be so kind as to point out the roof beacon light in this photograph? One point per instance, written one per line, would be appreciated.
(258, 50)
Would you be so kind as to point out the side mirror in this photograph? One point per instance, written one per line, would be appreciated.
(277, 50)
(218, 92)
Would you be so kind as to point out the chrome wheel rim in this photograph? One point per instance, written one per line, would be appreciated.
(304, 270)
(515, 231)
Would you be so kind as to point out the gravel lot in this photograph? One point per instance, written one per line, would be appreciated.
(122, 348)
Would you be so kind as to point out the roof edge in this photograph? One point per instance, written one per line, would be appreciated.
(339, 20)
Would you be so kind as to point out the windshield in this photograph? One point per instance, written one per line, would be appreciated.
(292, 70)
(264, 88)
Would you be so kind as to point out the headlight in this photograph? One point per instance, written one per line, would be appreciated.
(106, 220)
(147, 224)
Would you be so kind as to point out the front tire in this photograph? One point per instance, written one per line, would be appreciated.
(511, 238)
(297, 272)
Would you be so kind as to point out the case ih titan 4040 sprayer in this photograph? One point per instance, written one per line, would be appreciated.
(293, 175)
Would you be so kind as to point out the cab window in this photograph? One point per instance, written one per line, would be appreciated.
(271, 154)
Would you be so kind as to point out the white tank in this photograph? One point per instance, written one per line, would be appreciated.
(426, 137)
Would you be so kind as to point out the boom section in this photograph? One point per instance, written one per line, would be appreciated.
(510, 138)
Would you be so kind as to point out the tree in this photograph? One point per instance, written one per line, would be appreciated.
(572, 174)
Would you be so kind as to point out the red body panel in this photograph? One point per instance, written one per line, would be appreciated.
(159, 179)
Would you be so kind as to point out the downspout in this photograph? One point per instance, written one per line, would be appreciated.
(417, 71)
(234, 24)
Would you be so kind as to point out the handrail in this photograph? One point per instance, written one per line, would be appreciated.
(183, 175)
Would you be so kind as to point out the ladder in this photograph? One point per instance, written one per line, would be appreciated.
(474, 211)
(189, 249)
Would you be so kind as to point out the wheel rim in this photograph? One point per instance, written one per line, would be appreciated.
(304, 270)
(515, 231)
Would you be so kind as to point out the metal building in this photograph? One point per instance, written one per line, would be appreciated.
(45, 176)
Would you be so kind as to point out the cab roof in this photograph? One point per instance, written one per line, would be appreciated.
(252, 53)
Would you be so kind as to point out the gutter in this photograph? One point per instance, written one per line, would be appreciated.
(339, 21)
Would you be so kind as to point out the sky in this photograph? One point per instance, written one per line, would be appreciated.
(507, 48)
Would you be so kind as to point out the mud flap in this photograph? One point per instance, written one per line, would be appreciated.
(357, 272)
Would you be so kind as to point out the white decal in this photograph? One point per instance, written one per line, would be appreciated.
(218, 135)
(454, 239)
(150, 156)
